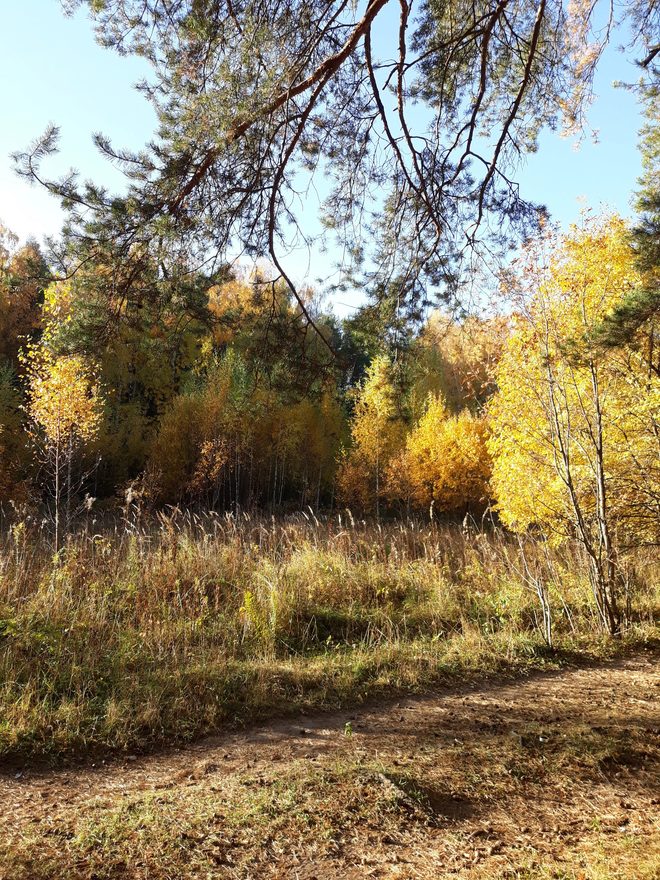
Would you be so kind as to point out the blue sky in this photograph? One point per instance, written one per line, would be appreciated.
(52, 70)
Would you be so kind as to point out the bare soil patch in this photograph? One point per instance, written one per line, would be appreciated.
(552, 776)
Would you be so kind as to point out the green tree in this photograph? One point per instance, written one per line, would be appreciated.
(14, 455)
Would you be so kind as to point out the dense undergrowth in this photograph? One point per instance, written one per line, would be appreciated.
(147, 634)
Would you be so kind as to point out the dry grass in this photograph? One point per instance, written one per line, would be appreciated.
(140, 635)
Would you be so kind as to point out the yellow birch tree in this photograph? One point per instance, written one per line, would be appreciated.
(66, 409)
(576, 437)
(377, 433)
(446, 460)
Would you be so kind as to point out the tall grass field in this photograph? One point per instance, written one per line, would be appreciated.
(143, 633)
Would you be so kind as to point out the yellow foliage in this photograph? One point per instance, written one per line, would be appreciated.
(59, 299)
(236, 441)
(459, 359)
(377, 428)
(377, 433)
(575, 431)
(64, 396)
(231, 303)
(21, 277)
(446, 461)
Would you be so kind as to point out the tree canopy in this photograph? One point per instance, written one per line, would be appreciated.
(409, 117)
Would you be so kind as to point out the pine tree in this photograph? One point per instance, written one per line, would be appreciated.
(254, 96)
(641, 306)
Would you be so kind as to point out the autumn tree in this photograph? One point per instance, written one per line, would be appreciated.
(143, 347)
(445, 467)
(231, 440)
(264, 323)
(65, 409)
(458, 358)
(377, 434)
(575, 433)
(23, 277)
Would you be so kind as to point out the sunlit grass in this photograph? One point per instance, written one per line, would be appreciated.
(137, 636)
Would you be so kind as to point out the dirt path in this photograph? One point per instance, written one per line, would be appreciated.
(557, 775)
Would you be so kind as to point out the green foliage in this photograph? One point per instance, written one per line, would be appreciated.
(14, 452)
(253, 98)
